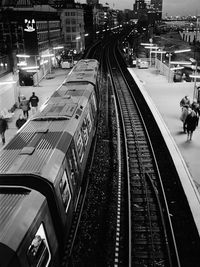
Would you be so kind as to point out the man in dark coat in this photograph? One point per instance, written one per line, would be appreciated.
(33, 100)
(3, 128)
(191, 123)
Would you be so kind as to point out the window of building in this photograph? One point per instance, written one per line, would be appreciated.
(68, 22)
(73, 21)
(73, 29)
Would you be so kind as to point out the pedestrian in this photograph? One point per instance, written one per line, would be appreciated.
(184, 116)
(20, 121)
(185, 101)
(34, 103)
(24, 105)
(191, 123)
(195, 106)
(3, 128)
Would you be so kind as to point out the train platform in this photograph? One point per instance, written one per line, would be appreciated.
(45, 88)
(165, 99)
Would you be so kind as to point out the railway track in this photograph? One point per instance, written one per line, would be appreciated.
(135, 212)
(151, 243)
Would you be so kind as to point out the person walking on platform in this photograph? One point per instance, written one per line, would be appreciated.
(195, 106)
(3, 128)
(185, 101)
(20, 121)
(191, 123)
(184, 116)
(24, 105)
(34, 103)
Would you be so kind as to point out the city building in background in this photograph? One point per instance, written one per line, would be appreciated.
(72, 23)
(27, 29)
(152, 7)
(36, 27)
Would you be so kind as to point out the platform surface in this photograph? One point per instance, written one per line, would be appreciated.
(166, 97)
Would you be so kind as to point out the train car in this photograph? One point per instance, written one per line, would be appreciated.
(27, 234)
(49, 154)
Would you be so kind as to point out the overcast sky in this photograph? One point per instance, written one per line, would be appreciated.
(171, 7)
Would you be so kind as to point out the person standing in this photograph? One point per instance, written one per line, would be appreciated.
(34, 100)
(191, 123)
(20, 121)
(3, 128)
(24, 105)
(184, 116)
(195, 106)
(185, 101)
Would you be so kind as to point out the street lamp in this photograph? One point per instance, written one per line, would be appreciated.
(58, 47)
(150, 44)
(177, 68)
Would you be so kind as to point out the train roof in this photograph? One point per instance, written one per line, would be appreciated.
(15, 207)
(85, 70)
(44, 140)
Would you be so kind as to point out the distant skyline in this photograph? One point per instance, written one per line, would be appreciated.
(170, 7)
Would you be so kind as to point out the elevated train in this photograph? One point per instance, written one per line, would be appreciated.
(41, 172)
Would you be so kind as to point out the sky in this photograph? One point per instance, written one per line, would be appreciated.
(171, 7)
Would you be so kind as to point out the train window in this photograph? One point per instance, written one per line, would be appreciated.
(38, 253)
(64, 190)
(93, 105)
(89, 122)
(84, 132)
(74, 158)
(72, 173)
(80, 147)
(94, 101)
(73, 166)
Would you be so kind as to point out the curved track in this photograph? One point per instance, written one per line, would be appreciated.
(139, 219)
(151, 240)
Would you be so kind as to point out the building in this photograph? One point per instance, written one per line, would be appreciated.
(153, 7)
(156, 8)
(31, 30)
(72, 23)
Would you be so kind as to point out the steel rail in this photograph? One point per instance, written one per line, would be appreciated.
(122, 96)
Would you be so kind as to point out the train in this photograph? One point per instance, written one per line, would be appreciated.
(42, 168)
